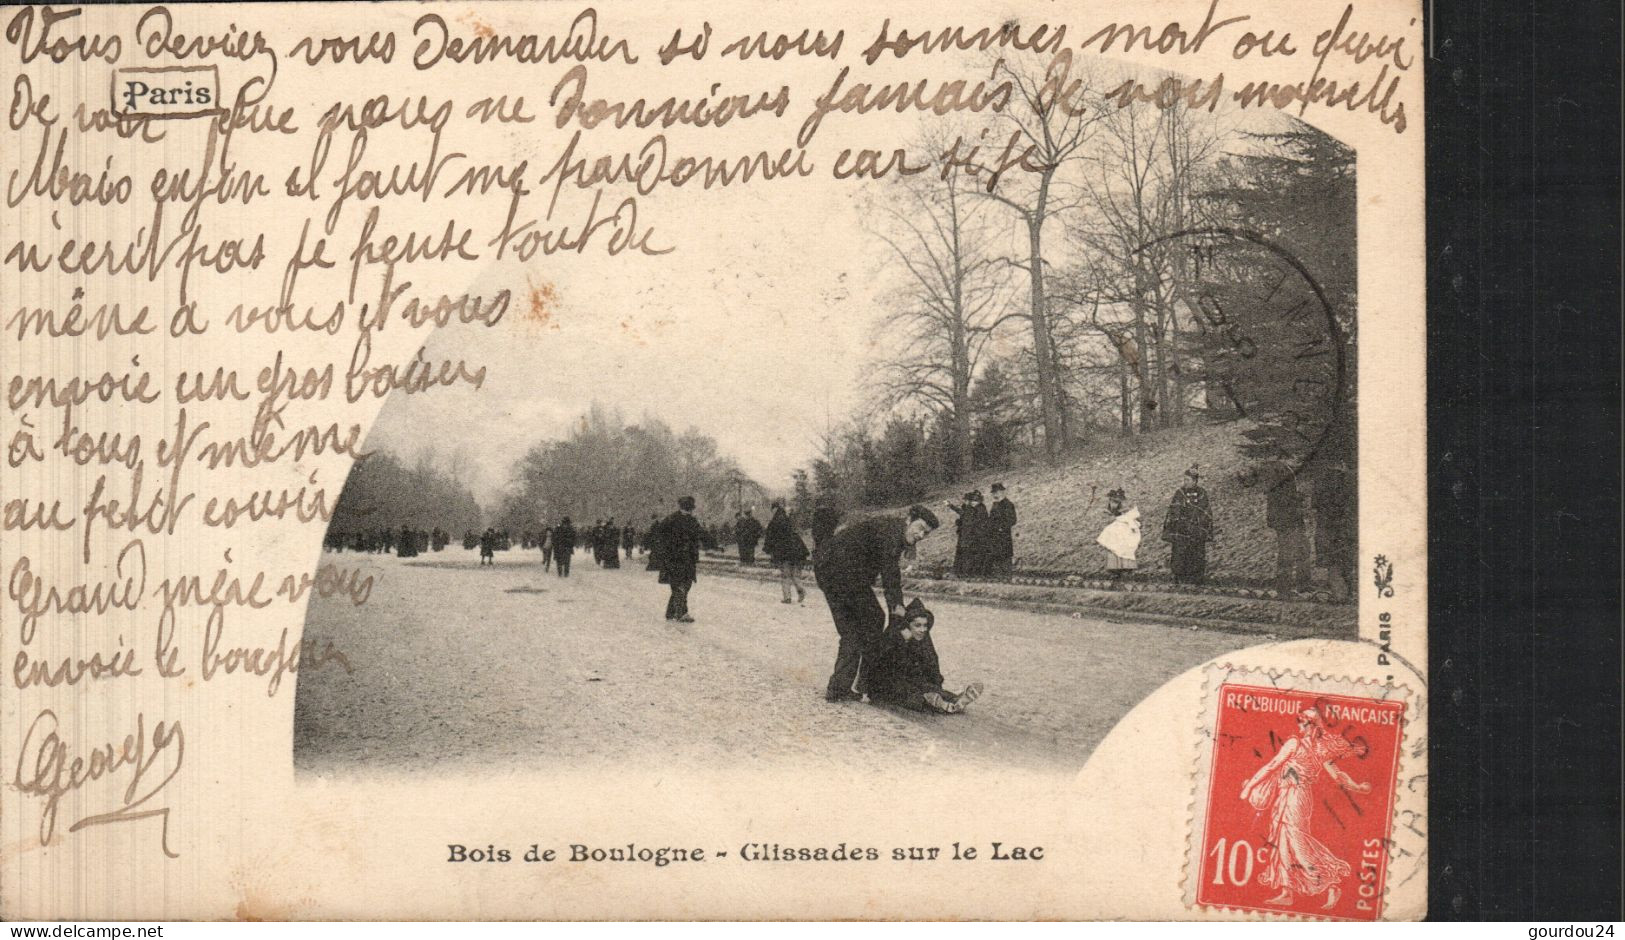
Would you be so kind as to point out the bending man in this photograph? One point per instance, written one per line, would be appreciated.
(846, 566)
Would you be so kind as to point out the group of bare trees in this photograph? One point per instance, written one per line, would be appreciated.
(606, 467)
(1077, 269)
(383, 492)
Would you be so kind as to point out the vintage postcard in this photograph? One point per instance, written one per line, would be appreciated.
(714, 460)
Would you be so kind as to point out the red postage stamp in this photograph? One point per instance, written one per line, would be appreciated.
(1295, 795)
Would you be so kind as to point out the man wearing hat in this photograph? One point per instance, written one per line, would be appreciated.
(1001, 525)
(1188, 527)
(846, 565)
(679, 557)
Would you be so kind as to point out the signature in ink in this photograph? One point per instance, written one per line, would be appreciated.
(48, 768)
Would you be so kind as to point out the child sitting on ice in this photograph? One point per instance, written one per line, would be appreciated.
(904, 669)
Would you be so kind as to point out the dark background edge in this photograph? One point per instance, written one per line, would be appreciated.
(1524, 333)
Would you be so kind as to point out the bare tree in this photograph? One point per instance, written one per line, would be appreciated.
(1052, 114)
(953, 299)
(1140, 180)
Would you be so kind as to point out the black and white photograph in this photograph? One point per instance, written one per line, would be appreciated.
(1023, 444)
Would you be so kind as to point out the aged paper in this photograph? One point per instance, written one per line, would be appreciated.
(1017, 409)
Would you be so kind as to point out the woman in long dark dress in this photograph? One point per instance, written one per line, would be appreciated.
(787, 552)
(609, 544)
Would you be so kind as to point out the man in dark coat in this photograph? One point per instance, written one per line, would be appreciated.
(488, 547)
(825, 519)
(847, 565)
(679, 555)
(786, 550)
(1001, 540)
(564, 545)
(1335, 538)
(1188, 527)
(1283, 513)
(749, 532)
(629, 539)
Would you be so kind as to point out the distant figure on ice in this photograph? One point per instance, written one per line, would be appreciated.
(1001, 522)
(647, 542)
(679, 557)
(610, 539)
(1188, 527)
(564, 545)
(905, 670)
(1121, 537)
(749, 532)
(488, 547)
(595, 541)
(407, 546)
(846, 566)
(629, 540)
(545, 540)
(786, 550)
(1283, 513)
(970, 545)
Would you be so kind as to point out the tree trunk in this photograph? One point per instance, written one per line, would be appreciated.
(963, 458)
(1125, 398)
(1049, 403)
(1148, 405)
(1160, 374)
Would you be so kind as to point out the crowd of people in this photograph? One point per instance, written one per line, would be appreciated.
(884, 649)
(984, 546)
(405, 541)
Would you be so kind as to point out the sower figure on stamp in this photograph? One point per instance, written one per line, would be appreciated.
(786, 550)
(1188, 527)
(846, 566)
(679, 557)
(1285, 788)
(1001, 522)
